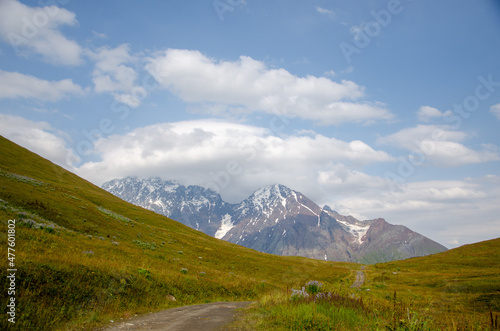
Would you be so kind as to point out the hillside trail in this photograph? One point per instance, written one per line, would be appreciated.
(206, 317)
(360, 278)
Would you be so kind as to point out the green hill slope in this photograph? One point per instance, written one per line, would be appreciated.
(84, 257)
(459, 287)
(455, 290)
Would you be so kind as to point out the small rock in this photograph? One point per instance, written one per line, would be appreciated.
(170, 298)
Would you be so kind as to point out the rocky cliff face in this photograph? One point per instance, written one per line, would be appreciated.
(276, 220)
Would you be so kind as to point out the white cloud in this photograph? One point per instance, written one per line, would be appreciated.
(495, 110)
(330, 73)
(200, 152)
(17, 85)
(99, 35)
(113, 74)
(38, 137)
(325, 11)
(426, 113)
(440, 145)
(347, 70)
(410, 138)
(249, 84)
(338, 181)
(110, 73)
(36, 30)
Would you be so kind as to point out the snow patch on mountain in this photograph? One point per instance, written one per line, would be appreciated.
(302, 205)
(357, 231)
(225, 226)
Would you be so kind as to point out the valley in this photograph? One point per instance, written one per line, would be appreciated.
(85, 258)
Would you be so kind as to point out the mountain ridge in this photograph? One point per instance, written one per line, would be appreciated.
(278, 220)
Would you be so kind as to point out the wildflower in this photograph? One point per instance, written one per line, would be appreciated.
(299, 294)
(320, 296)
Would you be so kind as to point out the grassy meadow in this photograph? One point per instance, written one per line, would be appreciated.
(85, 258)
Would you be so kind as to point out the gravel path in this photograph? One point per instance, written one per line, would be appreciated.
(210, 316)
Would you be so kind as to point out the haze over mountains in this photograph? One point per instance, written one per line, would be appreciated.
(276, 220)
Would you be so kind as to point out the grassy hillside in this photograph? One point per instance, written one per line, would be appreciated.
(459, 287)
(454, 290)
(84, 257)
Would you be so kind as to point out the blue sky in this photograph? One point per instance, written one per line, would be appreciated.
(377, 108)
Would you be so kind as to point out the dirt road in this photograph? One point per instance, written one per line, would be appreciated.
(360, 278)
(210, 316)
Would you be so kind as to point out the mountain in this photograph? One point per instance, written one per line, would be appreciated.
(276, 220)
(188, 205)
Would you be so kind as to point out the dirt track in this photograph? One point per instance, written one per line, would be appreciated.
(210, 316)
(360, 278)
(207, 317)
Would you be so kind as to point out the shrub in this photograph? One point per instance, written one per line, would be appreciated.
(313, 287)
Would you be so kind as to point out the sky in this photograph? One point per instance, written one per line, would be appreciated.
(377, 108)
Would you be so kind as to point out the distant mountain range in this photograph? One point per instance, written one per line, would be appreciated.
(276, 220)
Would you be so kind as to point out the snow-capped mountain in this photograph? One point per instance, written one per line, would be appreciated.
(277, 220)
(194, 206)
(267, 207)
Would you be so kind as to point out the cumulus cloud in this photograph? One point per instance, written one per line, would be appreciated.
(414, 197)
(495, 110)
(440, 145)
(110, 73)
(38, 137)
(250, 85)
(338, 181)
(427, 113)
(113, 74)
(16, 85)
(36, 30)
(204, 152)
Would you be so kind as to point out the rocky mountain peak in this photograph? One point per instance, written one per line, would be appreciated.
(327, 208)
(269, 195)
